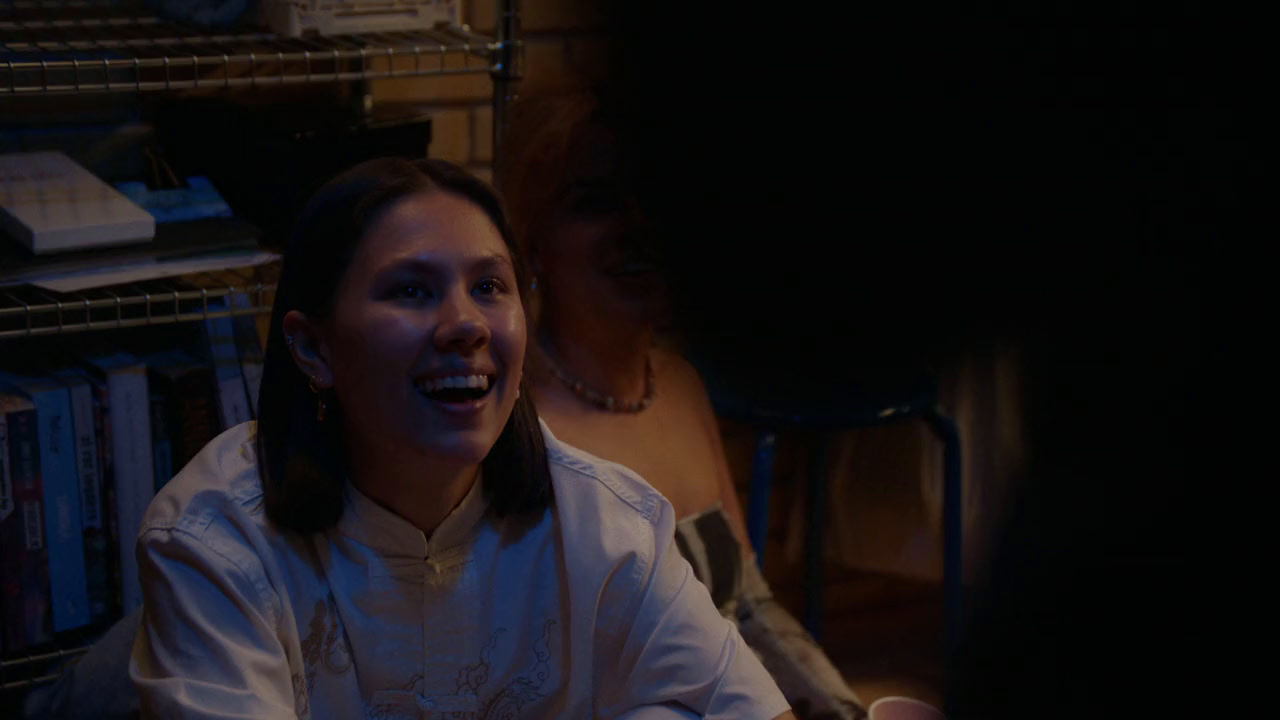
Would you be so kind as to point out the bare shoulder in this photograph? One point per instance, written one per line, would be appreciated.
(673, 370)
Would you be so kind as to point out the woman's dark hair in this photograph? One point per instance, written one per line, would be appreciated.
(303, 460)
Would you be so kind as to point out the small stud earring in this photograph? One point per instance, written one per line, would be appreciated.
(534, 285)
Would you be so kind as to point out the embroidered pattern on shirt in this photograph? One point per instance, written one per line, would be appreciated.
(525, 689)
(301, 704)
(325, 644)
(508, 702)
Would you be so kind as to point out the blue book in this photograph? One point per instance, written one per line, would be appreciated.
(97, 562)
(200, 199)
(64, 537)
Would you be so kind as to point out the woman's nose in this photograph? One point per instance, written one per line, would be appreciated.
(461, 327)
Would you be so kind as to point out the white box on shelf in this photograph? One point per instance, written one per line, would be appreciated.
(50, 203)
(345, 17)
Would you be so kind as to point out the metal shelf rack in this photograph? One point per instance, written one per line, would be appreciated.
(29, 311)
(142, 54)
(39, 666)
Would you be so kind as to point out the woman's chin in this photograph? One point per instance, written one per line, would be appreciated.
(457, 448)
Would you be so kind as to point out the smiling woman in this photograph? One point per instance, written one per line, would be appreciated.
(423, 349)
(400, 278)
(399, 535)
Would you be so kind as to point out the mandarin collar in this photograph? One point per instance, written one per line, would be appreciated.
(371, 524)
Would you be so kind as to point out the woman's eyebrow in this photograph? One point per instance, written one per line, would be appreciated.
(429, 265)
(492, 263)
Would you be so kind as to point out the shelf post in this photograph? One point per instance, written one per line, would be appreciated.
(505, 72)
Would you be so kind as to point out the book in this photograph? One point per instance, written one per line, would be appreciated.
(161, 449)
(184, 412)
(97, 565)
(50, 203)
(125, 378)
(60, 480)
(220, 344)
(25, 562)
(176, 245)
(6, 510)
(197, 201)
(106, 473)
(249, 346)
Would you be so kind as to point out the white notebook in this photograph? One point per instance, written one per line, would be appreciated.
(50, 203)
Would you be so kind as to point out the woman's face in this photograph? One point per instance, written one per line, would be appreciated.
(595, 253)
(427, 339)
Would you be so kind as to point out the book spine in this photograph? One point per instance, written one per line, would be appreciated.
(106, 476)
(195, 415)
(220, 336)
(249, 345)
(6, 486)
(135, 485)
(96, 566)
(27, 619)
(63, 534)
(161, 444)
(9, 544)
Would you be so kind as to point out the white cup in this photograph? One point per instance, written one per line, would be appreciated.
(903, 708)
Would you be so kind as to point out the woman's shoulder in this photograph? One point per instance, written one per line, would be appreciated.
(673, 368)
(596, 493)
(683, 388)
(221, 482)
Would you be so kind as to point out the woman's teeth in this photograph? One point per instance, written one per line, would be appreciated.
(465, 382)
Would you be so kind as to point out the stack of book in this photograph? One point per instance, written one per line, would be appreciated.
(83, 450)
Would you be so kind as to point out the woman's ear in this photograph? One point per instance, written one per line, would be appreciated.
(306, 344)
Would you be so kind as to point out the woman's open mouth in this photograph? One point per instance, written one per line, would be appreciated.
(456, 389)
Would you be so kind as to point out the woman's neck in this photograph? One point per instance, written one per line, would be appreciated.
(421, 491)
(612, 361)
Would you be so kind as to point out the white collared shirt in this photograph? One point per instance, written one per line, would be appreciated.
(587, 611)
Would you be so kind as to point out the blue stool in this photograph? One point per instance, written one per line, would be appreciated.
(771, 410)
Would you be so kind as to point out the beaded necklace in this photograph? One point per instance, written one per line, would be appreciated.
(604, 401)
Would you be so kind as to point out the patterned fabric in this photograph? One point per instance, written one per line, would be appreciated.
(802, 670)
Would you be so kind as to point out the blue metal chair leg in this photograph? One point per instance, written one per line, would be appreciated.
(952, 523)
(761, 488)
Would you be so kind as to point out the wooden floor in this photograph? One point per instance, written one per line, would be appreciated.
(883, 632)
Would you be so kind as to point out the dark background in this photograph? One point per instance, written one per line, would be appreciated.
(887, 192)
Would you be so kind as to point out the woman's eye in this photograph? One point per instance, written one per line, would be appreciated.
(408, 291)
(490, 286)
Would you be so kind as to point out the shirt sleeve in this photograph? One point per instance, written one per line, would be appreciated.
(207, 647)
(677, 656)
